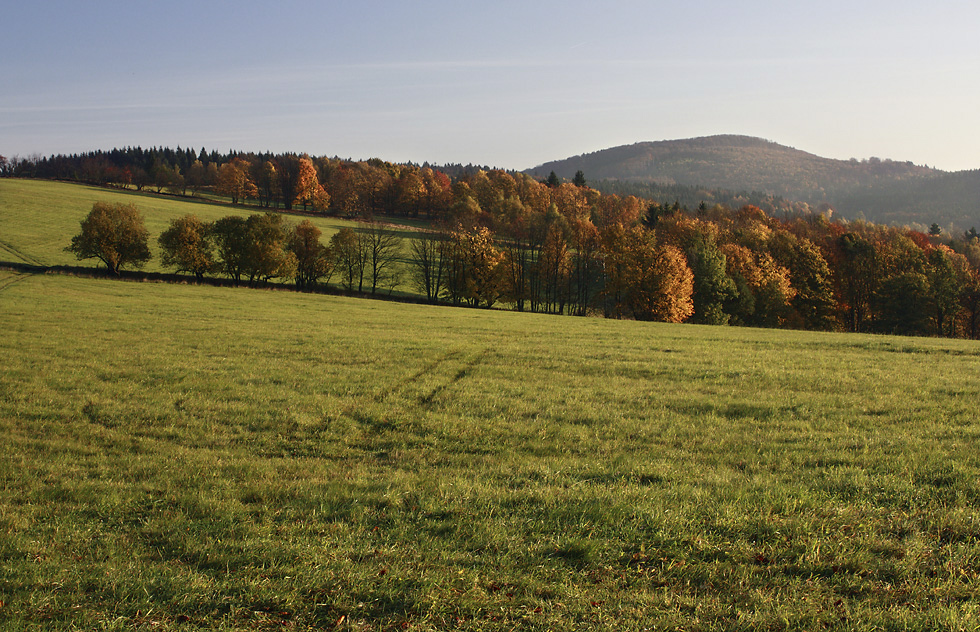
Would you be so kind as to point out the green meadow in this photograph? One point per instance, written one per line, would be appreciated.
(38, 219)
(179, 457)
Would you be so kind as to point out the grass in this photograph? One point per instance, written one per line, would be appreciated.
(38, 218)
(192, 457)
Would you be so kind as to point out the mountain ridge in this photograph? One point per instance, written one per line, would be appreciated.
(876, 189)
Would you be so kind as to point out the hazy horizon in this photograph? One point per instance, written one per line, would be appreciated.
(511, 84)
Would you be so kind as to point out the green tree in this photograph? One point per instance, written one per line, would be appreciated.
(713, 288)
(114, 234)
(905, 306)
(858, 276)
(579, 179)
(267, 253)
(188, 246)
(350, 258)
(948, 279)
(313, 259)
(231, 240)
(811, 278)
(970, 300)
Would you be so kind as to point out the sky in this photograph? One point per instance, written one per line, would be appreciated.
(508, 84)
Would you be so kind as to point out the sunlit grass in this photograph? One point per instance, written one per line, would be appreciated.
(38, 218)
(178, 457)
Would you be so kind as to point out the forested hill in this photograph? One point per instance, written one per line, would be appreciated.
(879, 190)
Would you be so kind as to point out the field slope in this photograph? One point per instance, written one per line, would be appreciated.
(184, 457)
(38, 219)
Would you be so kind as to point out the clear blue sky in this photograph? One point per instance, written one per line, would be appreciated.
(508, 84)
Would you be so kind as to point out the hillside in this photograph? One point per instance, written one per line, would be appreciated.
(877, 190)
(181, 457)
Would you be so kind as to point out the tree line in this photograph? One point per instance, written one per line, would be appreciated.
(499, 237)
(664, 262)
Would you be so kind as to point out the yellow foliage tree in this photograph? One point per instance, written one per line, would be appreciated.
(645, 281)
(309, 191)
(234, 181)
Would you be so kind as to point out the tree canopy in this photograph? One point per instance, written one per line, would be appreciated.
(113, 233)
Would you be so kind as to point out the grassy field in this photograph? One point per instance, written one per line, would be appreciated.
(183, 457)
(38, 219)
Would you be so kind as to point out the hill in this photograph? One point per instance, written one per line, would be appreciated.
(878, 190)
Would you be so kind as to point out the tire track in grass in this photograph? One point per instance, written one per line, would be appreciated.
(23, 256)
(18, 276)
(427, 369)
(427, 399)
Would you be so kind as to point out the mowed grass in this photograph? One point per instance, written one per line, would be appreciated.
(191, 457)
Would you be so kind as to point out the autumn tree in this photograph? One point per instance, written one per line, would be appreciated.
(410, 191)
(353, 188)
(774, 293)
(187, 246)
(235, 182)
(483, 281)
(573, 202)
(521, 244)
(554, 266)
(901, 301)
(740, 267)
(163, 175)
(483, 191)
(313, 259)
(113, 233)
(643, 280)
(674, 286)
(474, 271)
(308, 188)
(763, 288)
(437, 188)
(196, 177)
(267, 184)
(586, 268)
(612, 209)
(466, 212)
